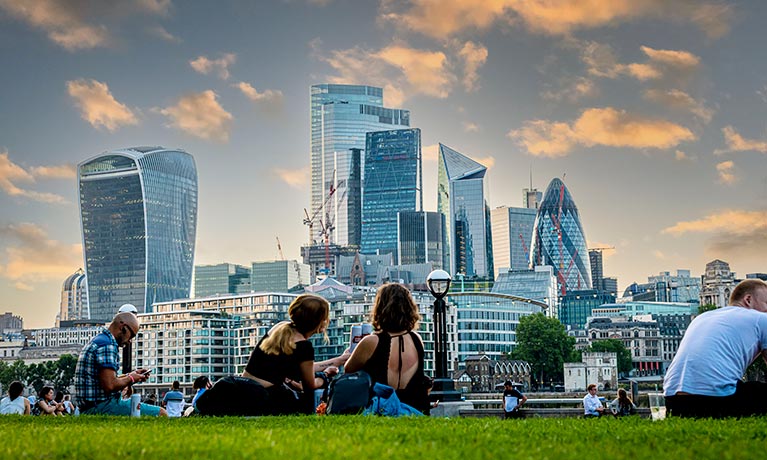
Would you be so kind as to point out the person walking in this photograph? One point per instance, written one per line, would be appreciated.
(512, 401)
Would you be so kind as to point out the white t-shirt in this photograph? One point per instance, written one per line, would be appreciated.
(12, 407)
(715, 352)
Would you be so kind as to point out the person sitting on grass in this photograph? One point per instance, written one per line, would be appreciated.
(622, 405)
(592, 406)
(173, 402)
(45, 404)
(705, 376)
(14, 403)
(96, 381)
(394, 354)
(285, 354)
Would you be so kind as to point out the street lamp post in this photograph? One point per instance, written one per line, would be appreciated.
(443, 389)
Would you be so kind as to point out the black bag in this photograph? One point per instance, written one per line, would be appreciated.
(349, 393)
(235, 395)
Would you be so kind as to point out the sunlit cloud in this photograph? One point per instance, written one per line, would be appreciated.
(659, 255)
(732, 232)
(737, 143)
(67, 171)
(682, 156)
(220, 66)
(678, 99)
(402, 71)
(161, 32)
(470, 127)
(488, 161)
(600, 61)
(430, 152)
(599, 127)
(200, 115)
(296, 178)
(674, 58)
(30, 256)
(726, 172)
(74, 24)
(572, 90)
(267, 97)
(474, 56)
(11, 174)
(447, 18)
(97, 105)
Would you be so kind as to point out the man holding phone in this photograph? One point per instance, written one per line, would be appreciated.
(96, 381)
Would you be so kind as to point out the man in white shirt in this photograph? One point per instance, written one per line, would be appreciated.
(705, 377)
(592, 405)
(174, 400)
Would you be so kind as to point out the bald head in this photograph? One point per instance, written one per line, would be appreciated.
(124, 327)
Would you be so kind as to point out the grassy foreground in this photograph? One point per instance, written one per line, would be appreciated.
(361, 438)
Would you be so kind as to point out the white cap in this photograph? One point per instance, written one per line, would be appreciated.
(128, 308)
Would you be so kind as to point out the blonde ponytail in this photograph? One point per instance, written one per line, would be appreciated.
(280, 340)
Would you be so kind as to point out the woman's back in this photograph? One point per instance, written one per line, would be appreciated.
(15, 406)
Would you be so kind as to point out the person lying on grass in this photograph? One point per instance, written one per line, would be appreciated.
(96, 381)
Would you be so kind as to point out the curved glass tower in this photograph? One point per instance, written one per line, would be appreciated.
(74, 298)
(138, 215)
(559, 241)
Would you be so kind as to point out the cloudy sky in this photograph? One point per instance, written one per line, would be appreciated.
(654, 110)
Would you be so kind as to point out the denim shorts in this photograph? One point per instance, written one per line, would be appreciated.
(119, 406)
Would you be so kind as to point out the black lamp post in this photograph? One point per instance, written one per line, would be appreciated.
(128, 348)
(443, 389)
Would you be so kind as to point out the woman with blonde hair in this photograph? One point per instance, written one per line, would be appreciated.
(283, 361)
(393, 355)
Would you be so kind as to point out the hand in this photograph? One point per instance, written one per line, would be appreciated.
(331, 371)
(140, 375)
(341, 360)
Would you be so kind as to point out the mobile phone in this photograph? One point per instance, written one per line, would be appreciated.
(147, 371)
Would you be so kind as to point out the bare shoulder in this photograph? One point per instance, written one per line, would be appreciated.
(369, 342)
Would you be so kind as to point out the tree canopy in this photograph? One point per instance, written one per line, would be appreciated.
(543, 342)
(614, 345)
(59, 373)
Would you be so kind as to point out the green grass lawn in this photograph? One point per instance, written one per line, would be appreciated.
(361, 438)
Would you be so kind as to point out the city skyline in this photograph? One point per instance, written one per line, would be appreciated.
(654, 111)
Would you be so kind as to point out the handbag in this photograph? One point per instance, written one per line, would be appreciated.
(349, 393)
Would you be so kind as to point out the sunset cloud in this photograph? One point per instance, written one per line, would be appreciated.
(74, 24)
(732, 232)
(474, 56)
(97, 105)
(677, 99)
(200, 115)
(402, 71)
(67, 171)
(161, 32)
(430, 152)
(447, 18)
(11, 174)
(572, 91)
(268, 97)
(601, 61)
(296, 178)
(599, 127)
(31, 256)
(726, 172)
(488, 161)
(220, 66)
(470, 127)
(737, 143)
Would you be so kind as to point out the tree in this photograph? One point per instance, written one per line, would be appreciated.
(544, 343)
(15, 371)
(707, 307)
(614, 345)
(64, 374)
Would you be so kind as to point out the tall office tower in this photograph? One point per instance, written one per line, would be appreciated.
(74, 298)
(420, 238)
(512, 230)
(279, 276)
(341, 115)
(138, 215)
(461, 199)
(220, 279)
(597, 274)
(392, 183)
(531, 198)
(559, 241)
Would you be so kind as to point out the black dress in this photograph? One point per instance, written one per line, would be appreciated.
(415, 392)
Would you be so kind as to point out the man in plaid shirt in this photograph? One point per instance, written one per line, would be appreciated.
(96, 381)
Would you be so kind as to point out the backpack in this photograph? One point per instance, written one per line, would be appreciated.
(234, 395)
(349, 393)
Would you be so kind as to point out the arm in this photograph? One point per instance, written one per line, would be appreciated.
(308, 380)
(27, 408)
(522, 401)
(110, 382)
(361, 354)
(335, 362)
(45, 407)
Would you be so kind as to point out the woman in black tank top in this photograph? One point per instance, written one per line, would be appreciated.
(394, 354)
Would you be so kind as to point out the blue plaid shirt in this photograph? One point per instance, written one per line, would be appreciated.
(101, 353)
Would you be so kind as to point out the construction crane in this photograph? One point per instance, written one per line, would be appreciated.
(309, 220)
(279, 248)
(602, 248)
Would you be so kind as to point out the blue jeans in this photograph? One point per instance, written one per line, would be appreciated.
(119, 406)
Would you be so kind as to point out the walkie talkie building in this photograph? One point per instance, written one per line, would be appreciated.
(138, 215)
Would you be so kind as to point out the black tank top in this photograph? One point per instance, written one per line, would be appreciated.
(415, 392)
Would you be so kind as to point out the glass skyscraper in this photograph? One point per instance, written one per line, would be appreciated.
(392, 183)
(221, 279)
(461, 199)
(559, 241)
(138, 215)
(341, 115)
(420, 238)
(512, 230)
